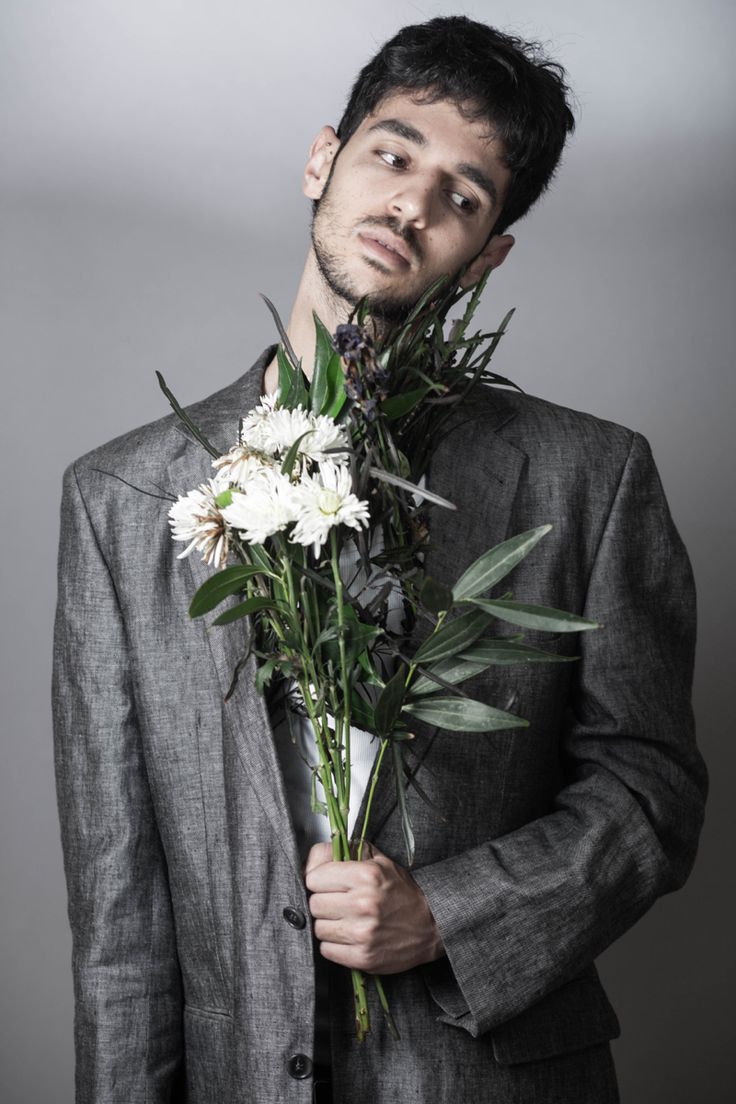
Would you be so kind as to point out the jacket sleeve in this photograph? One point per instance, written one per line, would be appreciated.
(126, 974)
(521, 915)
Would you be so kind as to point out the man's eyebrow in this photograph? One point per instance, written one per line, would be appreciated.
(410, 134)
(477, 176)
(402, 130)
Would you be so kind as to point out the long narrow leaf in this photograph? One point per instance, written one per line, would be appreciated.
(289, 459)
(388, 706)
(323, 354)
(229, 581)
(452, 671)
(454, 637)
(463, 715)
(495, 564)
(398, 405)
(534, 617)
(504, 652)
(252, 605)
(282, 332)
(406, 827)
(397, 481)
(184, 417)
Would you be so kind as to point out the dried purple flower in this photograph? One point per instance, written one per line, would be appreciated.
(350, 341)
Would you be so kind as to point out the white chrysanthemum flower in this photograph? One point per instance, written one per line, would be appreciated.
(263, 508)
(284, 427)
(196, 518)
(253, 429)
(322, 501)
(276, 432)
(239, 465)
(326, 435)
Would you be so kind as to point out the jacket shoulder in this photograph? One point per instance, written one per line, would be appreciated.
(543, 424)
(155, 444)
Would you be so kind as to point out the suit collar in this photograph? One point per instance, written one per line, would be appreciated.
(478, 471)
(217, 415)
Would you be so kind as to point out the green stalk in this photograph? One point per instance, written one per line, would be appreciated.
(338, 823)
(369, 802)
(345, 675)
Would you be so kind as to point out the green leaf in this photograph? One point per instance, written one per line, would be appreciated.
(357, 635)
(500, 651)
(397, 405)
(534, 617)
(453, 670)
(435, 596)
(263, 675)
(286, 375)
(282, 332)
(231, 580)
(454, 636)
(406, 828)
(463, 715)
(323, 354)
(292, 383)
(288, 461)
(336, 394)
(361, 714)
(330, 632)
(224, 498)
(184, 417)
(397, 481)
(389, 702)
(258, 553)
(495, 564)
(252, 605)
(315, 804)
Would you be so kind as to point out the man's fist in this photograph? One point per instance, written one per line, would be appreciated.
(369, 915)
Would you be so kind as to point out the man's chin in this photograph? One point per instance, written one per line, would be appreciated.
(388, 311)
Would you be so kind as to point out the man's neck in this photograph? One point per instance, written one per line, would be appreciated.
(312, 295)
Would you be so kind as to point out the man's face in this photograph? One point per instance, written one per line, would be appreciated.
(412, 196)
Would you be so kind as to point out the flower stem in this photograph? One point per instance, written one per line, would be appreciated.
(374, 779)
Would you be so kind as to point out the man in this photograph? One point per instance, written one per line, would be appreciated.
(193, 916)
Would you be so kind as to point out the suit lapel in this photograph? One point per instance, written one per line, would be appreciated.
(478, 471)
(245, 711)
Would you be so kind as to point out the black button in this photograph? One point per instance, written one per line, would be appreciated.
(295, 917)
(299, 1066)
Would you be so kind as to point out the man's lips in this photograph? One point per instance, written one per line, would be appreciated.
(386, 246)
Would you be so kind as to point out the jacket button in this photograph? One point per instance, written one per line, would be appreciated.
(295, 917)
(299, 1066)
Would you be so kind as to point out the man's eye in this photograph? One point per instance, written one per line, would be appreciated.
(467, 206)
(391, 159)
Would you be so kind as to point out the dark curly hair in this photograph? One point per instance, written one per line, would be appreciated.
(489, 76)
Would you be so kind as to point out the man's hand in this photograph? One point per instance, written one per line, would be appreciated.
(369, 915)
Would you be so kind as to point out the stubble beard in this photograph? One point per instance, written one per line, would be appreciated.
(385, 310)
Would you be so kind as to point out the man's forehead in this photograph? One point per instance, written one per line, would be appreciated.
(420, 110)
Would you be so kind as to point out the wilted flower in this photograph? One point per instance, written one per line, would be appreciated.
(350, 341)
(238, 465)
(196, 518)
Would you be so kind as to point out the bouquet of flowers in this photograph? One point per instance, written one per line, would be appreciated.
(334, 467)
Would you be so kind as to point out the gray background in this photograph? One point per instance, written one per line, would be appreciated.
(151, 160)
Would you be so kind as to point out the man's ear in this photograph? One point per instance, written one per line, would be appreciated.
(321, 155)
(491, 255)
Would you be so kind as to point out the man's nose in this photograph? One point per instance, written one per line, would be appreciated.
(413, 203)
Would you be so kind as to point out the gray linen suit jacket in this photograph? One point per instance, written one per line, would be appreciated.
(547, 843)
